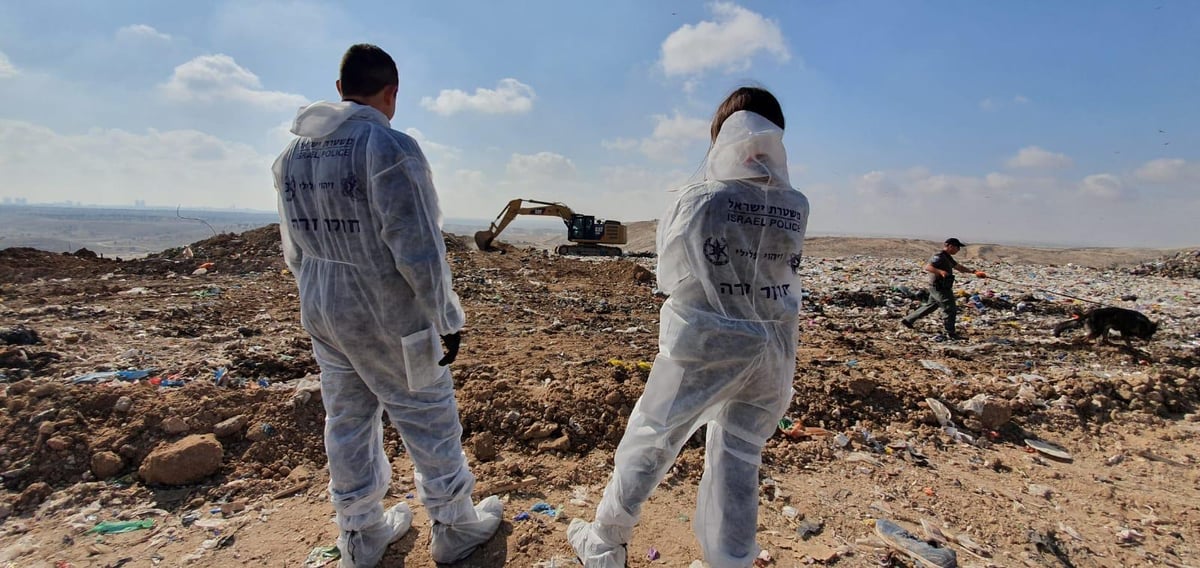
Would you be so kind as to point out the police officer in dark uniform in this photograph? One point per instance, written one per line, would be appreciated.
(941, 287)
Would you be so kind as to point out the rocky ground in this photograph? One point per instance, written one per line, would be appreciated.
(145, 391)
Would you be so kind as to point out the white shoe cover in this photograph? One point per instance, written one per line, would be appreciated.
(591, 550)
(453, 542)
(364, 548)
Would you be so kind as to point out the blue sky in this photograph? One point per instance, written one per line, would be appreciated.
(1046, 122)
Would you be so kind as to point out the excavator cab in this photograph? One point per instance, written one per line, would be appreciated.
(584, 228)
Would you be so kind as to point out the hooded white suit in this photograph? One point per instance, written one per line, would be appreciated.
(361, 232)
(729, 250)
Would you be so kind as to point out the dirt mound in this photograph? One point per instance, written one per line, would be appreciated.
(1183, 264)
(21, 265)
(257, 250)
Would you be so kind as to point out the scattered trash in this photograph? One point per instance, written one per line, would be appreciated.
(93, 377)
(133, 375)
(1070, 531)
(652, 554)
(1129, 536)
(1049, 449)
(789, 512)
(322, 555)
(579, 496)
(522, 516)
(631, 365)
(118, 527)
(763, 558)
(942, 413)
(19, 335)
(210, 292)
(545, 509)
(932, 533)
(808, 527)
(923, 553)
(798, 431)
(935, 366)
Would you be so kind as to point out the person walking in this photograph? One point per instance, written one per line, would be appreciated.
(941, 269)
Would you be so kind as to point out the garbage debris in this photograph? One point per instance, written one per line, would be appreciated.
(935, 366)
(1049, 449)
(923, 553)
(118, 527)
(19, 335)
(322, 555)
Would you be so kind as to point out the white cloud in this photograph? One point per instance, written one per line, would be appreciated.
(7, 69)
(114, 166)
(673, 135)
(434, 151)
(1169, 171)
(1105, 187)
(728, 43)
(918, 183)
(540, 166)
(218, 78)
(876, 185)
(466, 193)
(988, 104)
(509, 97)
(137, 32)
(672, 138)
(1035, 158)
(1021, 100)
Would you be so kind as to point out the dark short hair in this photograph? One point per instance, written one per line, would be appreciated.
(753, 99)
(366, 69)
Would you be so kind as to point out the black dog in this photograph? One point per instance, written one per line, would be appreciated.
(1098, 322)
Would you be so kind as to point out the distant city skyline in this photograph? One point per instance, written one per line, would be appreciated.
(1058, 122)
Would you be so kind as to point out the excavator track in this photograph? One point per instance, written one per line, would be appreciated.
(588, 250)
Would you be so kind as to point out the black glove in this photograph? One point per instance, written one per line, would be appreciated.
(452, 342)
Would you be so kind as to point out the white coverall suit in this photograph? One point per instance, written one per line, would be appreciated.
(729, 251)
(361, 232)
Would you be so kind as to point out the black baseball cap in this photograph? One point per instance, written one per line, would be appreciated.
(955, 242)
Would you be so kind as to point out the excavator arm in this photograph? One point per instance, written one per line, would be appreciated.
(483, 239)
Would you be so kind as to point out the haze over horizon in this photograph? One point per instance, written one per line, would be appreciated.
(1067, 122)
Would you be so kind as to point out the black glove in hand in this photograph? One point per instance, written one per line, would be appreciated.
(452, 342)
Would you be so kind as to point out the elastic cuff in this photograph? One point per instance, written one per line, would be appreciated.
(460, 510)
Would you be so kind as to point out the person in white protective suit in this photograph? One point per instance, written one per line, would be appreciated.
(361, 233)
(729, 253)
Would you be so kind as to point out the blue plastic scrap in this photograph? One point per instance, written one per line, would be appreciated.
(133, 375)
(522, 516)
(545, 509)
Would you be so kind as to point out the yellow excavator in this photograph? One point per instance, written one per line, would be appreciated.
(590, 235)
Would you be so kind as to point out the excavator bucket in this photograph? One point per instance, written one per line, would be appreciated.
(483, 240)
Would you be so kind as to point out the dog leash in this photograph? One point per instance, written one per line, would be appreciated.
(1055, 292)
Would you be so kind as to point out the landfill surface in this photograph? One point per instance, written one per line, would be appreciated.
(166, 412)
